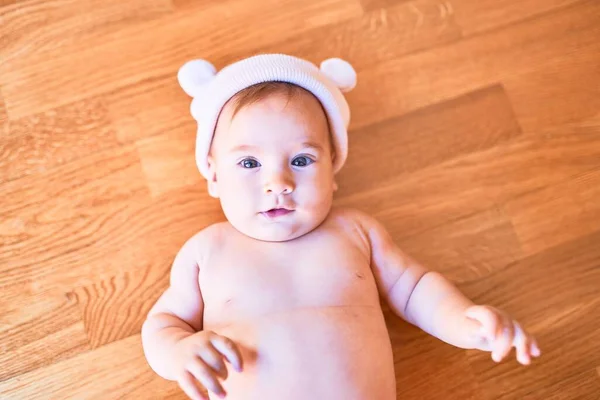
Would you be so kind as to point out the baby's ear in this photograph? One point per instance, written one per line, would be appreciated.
(212, 178)
(335, 185)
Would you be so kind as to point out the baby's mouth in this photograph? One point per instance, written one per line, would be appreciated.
(276, 212)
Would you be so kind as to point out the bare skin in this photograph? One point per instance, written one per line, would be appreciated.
(286, 306)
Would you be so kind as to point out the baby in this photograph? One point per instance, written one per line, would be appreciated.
(287, 290)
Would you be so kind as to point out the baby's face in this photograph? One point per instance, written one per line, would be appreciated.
(272, 167)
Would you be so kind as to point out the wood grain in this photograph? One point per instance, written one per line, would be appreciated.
(564, 91)
(475, 139)
(457, 188)
(427, 137)
(34, 83)
(381, 34)
(46, 26)
(468, 248)
(48, 218)
(115, 308)
(574, 203)
(3, 114)
(446, 72)
(169, 160)
(39, 142)
(93, 374)
(369, 5)
(149, 108)
(478, 16)
(38, 330)
(561, 322)
(420, 372)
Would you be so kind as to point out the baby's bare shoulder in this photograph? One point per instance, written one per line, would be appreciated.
(353, 216)
(353, 223)
(209, 238)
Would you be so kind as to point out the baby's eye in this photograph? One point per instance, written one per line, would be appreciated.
(301, 161)
(249, 163)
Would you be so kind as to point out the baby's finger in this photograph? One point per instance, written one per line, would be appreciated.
(522, 345)
(229, 349)
(214, 359)
(534, 348)
(488, 320)
(188, 384)
(503, 343)
(203, 373)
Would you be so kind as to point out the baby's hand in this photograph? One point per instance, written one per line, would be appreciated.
(500, 333)
(198, 362)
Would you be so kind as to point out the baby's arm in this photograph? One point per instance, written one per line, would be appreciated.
(422, 297)
(431, 302)
(177, 313)
(174, 342)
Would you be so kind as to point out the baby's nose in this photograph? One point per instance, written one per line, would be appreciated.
(279, 184)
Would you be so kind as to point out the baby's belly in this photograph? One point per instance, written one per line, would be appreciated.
(315, 353)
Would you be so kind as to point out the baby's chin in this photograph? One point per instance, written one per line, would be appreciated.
(276, 233)
(260, 228)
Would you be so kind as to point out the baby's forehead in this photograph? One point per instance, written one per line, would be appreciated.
(281, 95)
(249, 111)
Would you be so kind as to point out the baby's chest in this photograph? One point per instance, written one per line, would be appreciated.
(244, 282)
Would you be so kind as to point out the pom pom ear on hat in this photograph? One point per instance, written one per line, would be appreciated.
(193, 75)
(340, 72)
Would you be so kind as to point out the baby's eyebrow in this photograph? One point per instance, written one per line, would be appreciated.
(314, 145)
(247, 147)
(243, 148)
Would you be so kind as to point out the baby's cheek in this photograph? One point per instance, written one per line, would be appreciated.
(318, 199)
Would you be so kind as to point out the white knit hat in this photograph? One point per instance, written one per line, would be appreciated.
(211, 90)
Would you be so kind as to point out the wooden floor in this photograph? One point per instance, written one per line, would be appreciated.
(475, 139)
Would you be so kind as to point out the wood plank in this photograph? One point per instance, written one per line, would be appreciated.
(564, 91)
(54, 347)
(438, 372)
(475, 182)
(483, 15)
(40, 142)
(3, 114)
(149, 108)
(117, 237)
(427, 368)
(51, 220)
(37, 330)
(41, 26)
(557, 214)
(3, 122)
(379, 35)
(401, 85)
(188, 4)
(369, 5)
(115, 308)
(33, 83)
(115, 302)
(469, 248)
(118, 370)
(581, 386)
(434, 134)
(169, 160)
(565, 324)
